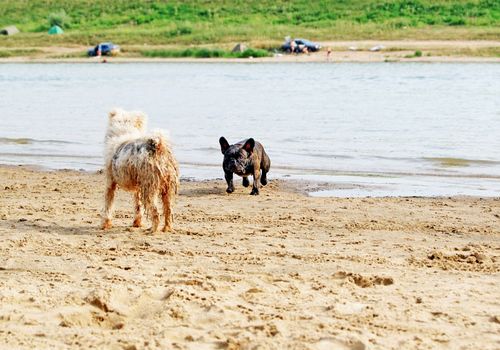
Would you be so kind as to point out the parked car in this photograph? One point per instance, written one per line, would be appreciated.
(299, 44)
(107, 49)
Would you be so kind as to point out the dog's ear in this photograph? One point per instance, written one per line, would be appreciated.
(224, 145)
(249, 145)
(112, 114)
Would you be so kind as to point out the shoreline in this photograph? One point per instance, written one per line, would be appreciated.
(305, 184)
(346, 58)
(278, 270)
(433, 51)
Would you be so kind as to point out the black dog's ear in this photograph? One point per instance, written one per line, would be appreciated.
(249, 145)
(224, 145)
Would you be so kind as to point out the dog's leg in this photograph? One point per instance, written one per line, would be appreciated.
(263, 178)
(265, 165)
(229, 180)
(138, 213)
(256, 178)
(155, 218)
(246, 183)
(150, 206)
(108, 205)
(167, 212)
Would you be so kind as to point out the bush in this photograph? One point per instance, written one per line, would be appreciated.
(60, 19)
(417, 53)
(454, 21)
(205, 53)
(253, 53)
(179, 30)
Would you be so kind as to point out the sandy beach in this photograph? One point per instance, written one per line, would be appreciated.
(281, 270)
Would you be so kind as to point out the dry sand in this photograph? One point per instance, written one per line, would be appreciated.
(281, 270)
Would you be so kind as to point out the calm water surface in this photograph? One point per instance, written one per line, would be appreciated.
(366, 129)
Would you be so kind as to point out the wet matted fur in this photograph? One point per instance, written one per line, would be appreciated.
(142, 163)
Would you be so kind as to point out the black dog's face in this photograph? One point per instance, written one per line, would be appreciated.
(237, 157)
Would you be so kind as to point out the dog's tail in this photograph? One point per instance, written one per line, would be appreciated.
(159, 169)
(157, 143)
(161, 153)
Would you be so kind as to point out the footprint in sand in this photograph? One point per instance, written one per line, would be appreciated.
(332, 343)
(364, 281)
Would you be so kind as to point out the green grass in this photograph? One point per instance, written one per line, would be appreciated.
(18, 52)
(262, 23)
(417, 53)
(204, 53)
(470, 52)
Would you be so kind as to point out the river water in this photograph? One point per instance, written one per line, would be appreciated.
(381, 129)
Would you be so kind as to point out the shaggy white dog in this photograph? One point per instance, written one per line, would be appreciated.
(139, 162)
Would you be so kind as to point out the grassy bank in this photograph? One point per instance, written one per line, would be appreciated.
(18, 52)
(204, 53)
(262, 24)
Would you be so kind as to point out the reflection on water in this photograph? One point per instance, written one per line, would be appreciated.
(460, 162)
(27, 141)
(429, 129)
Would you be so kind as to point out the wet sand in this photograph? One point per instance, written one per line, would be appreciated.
(281, 270)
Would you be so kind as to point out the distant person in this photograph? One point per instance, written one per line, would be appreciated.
(292, 46)
(328, 54)
(99, 51)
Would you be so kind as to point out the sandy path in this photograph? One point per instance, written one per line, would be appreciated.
(281, 270)
(415, 44)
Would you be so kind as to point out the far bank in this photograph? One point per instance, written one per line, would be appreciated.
(340, 51)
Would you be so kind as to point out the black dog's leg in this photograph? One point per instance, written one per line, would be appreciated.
(246, 183)
(229, 180)
(256, 178)
(265, 165)
(263, 178)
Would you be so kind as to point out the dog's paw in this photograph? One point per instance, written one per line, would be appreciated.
(246, 182)
(137, 222)
(255, 192)
(230, 190)
(263, 181)
(151, 231)
(106, 225)
(167, 229)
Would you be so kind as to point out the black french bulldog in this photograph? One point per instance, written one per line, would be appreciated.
(245, 158)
